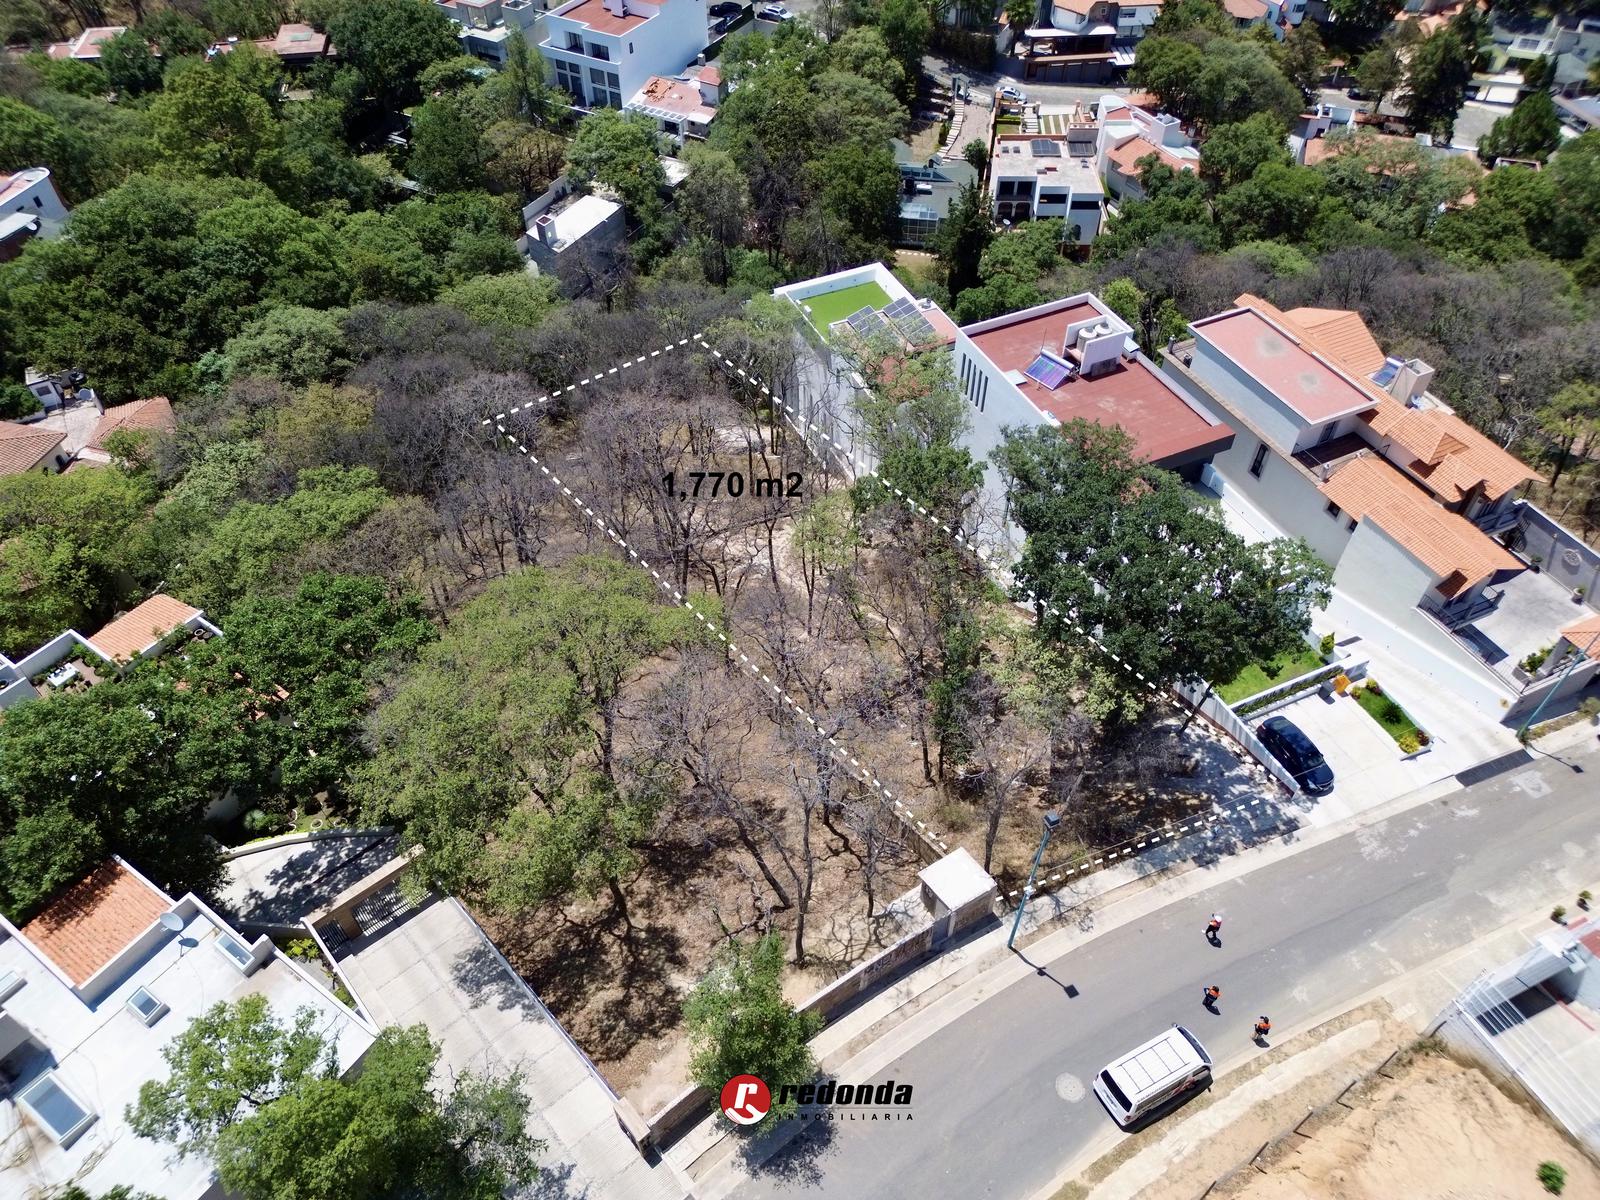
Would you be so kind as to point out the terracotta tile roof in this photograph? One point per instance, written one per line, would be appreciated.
(1343, 334)
(154, 414)
(1246, 10)
(125, 637)
(1452, 547)
(1450, 454)
(710, 76)
(22, 446)
(294, 41)
(1127, 156)
(95, 919)
(1582, 634)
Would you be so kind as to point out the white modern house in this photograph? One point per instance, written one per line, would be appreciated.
(487, 25)
(1416, 510)
(685, 105)
(1127, 134)
(1044, 366)
(91, 989)
(603, 51)
(30, 207)
(1038, 177)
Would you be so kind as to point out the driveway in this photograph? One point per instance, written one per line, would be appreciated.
(1367, 765)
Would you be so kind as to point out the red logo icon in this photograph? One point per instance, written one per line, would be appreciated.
(745, 1099)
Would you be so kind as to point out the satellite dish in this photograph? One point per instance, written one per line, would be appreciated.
(171, 922)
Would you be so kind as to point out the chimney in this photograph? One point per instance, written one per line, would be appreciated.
(1411, 381)
(545, 227)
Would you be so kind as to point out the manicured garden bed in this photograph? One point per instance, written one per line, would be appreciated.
(1258, 677)
(1391, 716)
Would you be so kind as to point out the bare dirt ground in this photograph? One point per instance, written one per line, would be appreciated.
(1419, 1126)
(1440, 1130)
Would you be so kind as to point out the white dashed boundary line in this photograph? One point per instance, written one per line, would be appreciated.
(856, 767)
(1128, 849)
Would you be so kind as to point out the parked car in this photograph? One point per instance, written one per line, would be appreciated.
(775, 12)
(726, 9)
(716, 28)
(1010, 92)
(1298, 753)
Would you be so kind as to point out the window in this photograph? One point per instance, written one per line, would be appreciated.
(146, 1007)
(1116, 1092)
(1327, 433)
(575, 42)
(1352, 525)
(596, 50)
(10, 984)
(231, 950)
(1259, 461)
(630, 47)
(56, 1108)
(570, 79)
(1333, 510)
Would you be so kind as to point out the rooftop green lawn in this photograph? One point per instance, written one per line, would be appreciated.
(836, 306)
(1258, 677)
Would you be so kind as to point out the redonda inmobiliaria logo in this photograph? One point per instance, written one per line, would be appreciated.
(747, 1100)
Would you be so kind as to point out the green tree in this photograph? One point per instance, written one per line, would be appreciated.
(252, 545)
(131, 69)
(175, 34)
(158, 271)
(497, 754)
(1233, 152)
(976, 154)
(206, 120)
(1437, 76)
(1365, 18)
(70, 75)
(1123, 547)
(516, 300)
(619, 150)
(1303, 60)
(447, 151)
(968, 229)
(1530, 130)
(740, 1024)
(390, 43)
(293, 344)
(716, 202)
(68, 543)
(863, 52)
(1191, 17)
(906, 25)
(1381, 70)
(1513, 219)
(29, 138)
(267, 1105)
(23, 21)
(1573, 413)
(522, 159)
(1021, 15)
(1279, 201)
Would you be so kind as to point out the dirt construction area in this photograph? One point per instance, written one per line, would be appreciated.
(1337, 1114)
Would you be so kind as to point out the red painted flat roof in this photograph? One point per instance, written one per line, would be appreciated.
(599, 18)
(1131, 395)
(1280, 364)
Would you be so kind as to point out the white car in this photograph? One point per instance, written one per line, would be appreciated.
(1006, 92)
(774, 12)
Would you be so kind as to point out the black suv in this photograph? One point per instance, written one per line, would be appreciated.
(1298, 753)
(726, 9)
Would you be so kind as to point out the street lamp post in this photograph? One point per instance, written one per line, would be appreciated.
(1051, 820)
(1576, 657)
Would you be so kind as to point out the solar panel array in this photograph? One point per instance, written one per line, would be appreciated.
(864, 322)
(1045, 148)
(908, 319)
(1048, 371)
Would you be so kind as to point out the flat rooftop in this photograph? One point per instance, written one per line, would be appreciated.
(601, 19)
(1164, 426)
(837, 305)
(1047, 159)
(1276, 359)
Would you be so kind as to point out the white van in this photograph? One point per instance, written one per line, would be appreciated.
(1164, 1067)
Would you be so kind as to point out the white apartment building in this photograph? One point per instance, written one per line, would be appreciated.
(604, 51)
(91, 990)
(1037, 177)
(1127, 134)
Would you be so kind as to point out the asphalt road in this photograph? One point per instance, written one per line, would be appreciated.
(1002, 1098)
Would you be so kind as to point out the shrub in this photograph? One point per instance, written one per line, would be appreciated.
(1535, 660)
(1558, 913)
(1553, 1176)
(258, 820)
(1590, 707)
(1372, 686)
(953, 816)
(1409, 744)
(1326, 644)
(1585, 896)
